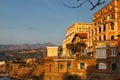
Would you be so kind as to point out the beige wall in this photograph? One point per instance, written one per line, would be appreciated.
(52, 51)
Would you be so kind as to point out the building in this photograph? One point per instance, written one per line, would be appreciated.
(104, 37)
(101, 60)
(52, 51)
(78, 27)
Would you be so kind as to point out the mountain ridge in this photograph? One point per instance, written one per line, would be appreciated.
(24, 46)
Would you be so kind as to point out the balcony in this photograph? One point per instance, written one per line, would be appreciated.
(63, 58)
(108, 20)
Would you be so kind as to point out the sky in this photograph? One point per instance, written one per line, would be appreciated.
(40, 21)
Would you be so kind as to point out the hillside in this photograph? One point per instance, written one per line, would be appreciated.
(25, 46)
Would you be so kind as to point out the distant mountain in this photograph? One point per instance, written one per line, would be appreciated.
(25, 46)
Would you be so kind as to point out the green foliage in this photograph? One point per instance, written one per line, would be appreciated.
(76, 47)
(40, 77)
(71, 77)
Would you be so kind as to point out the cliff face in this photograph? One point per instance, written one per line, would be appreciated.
(23, 70)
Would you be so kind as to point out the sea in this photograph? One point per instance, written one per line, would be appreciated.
(4, 78)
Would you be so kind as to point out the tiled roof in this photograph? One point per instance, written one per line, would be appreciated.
(82, 35)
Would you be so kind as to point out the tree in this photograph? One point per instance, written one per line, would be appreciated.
(76, 47)
(93, 4)
(71, 77)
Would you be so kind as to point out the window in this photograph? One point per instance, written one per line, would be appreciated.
(95, 31)
(112, 37)
(95, 39)
(104, 27)
(82, 65)
(80, 28)
(111, 6)
(100, 12)
(105, 9)
(50, 67)
(87, 28)
(101, 52)
(92, 32)
(114, 66)
(61, 66)
(104, 37)
(102, 66)
(111, 16)
(69, 65)
(105, 18)
(100, 38)
(100, 30)
(113, 51)
(99, 22)
(112, 25)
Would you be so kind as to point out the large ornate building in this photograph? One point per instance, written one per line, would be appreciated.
(78, 27)
(101, 36)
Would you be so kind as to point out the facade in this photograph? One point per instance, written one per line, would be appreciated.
(52, 51)
(78, 27)
(104, 36)
(101, 60)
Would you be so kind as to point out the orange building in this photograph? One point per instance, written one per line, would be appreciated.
(104, 36)
(101, 59)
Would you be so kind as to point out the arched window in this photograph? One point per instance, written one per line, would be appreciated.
(100, 38)
(104, 27)
(112, 25)
(80, 28)
(112, 37)
(114, 66)
(100, 30)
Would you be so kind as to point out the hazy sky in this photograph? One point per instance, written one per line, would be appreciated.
(39, 21)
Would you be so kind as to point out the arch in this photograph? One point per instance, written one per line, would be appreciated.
(99, 29)
(112, 37)
(114, 66)
(100, 38)
(104, 27)
(112, 25)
